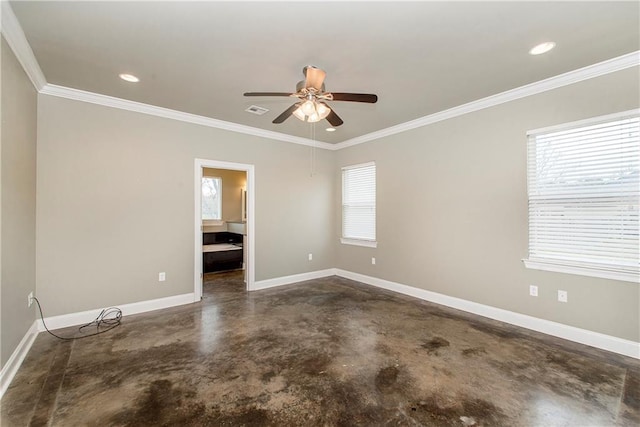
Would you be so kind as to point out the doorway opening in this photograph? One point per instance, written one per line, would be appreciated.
(235, 223)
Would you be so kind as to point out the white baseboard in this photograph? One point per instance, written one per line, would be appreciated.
(287, 280)
(73, 319)
(56, 322)
(571, 333)
(13, 364)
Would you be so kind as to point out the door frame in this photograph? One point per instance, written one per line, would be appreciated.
(249, 226)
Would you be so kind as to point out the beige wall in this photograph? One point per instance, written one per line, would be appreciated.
(452, 207)
(105, 229)
(452, 210)
(233, 182)
(18, 205)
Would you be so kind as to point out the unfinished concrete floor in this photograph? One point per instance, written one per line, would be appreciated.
(325, 352)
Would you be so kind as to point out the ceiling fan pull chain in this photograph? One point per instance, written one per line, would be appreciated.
(313, 149)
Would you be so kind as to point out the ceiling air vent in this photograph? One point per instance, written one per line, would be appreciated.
(254, 109)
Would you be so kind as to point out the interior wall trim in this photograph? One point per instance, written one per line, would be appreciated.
(560, 330)
(10, 368)
(250, 223)
(13, 34)
(139, 107)
(294, 278)
(570, 333)
(80, 318)
(596, 70)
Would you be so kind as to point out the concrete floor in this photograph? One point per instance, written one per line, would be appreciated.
(326, 352)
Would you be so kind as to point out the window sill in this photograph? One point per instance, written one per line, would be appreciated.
(582, 270)
(359, 242)
(212, 222)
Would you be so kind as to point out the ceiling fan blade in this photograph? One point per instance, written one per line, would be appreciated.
(268, 94)
(355, 97)
(334, 119)
(314, 77)
(285, 115)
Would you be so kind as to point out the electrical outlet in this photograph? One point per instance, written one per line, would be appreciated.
(563, 296)
(29, 299)
(373, 261)
(533, 290)
(162, 277)
(310, 257)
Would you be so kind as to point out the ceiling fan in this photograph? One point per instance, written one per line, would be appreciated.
(311, 93)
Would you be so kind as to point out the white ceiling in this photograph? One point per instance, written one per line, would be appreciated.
(419, 57)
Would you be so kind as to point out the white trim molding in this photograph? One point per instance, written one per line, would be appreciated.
(570, 333)
(581, 270)
(596, 70)
(294, 278)
(10, 368)
(250, 222)
(359, 242)
(80, 318)
(586, 122)
(13, 34)
(139, 107)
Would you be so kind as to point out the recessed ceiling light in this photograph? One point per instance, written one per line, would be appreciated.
(330, 129)
(542, 48)
(129, 78)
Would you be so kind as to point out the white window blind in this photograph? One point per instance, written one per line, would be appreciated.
(584, 190)
(359, 202)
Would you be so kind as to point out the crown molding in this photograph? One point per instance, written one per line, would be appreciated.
(124, 104)
(601, 68)
(13, 34)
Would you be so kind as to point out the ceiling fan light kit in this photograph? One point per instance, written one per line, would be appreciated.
(312, 111)
(311, 92)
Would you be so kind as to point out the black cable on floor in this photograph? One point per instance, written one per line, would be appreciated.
(109, 317)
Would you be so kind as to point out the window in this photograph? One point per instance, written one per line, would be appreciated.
(584, 191)
(211, 198)
(359, 205)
